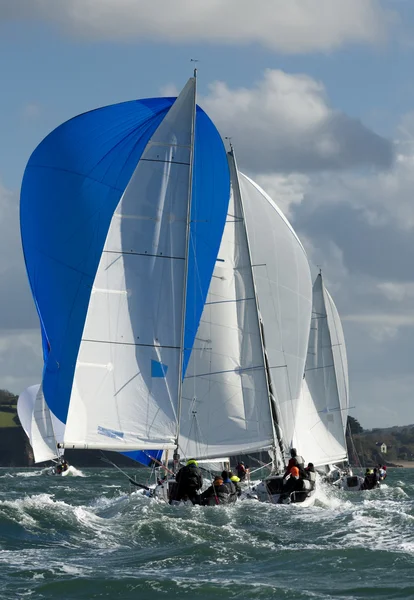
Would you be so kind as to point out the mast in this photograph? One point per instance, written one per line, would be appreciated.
(276, 440)
(176, 456)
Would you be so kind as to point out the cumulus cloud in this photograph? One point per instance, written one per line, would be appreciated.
(358, 227)
(289, 190)
(296, 26)
(285, 123)
(16, 306)
(21, 359)
(396, 291)
(20, 344)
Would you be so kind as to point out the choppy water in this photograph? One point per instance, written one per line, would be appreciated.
(86, 537)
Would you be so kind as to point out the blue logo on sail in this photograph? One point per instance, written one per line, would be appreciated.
(158, 369)
(110, 433)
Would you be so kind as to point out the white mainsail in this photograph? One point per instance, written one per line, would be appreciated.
(322, 407)
(284, 290)
(41, 426)
(225, 402)
(125, 392)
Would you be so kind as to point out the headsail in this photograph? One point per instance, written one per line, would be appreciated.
(225, 404)
(284, 289)
(41, 426)
(321, 403)
(339, 356)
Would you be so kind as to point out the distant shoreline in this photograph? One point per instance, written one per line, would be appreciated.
(407, 464)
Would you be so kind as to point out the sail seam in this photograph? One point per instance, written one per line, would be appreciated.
(143, 254)
(130, 344)
(168, 162)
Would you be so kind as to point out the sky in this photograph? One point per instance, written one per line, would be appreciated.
(318, 97)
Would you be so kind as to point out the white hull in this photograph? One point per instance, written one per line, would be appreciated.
(271, 490)
(353, 484)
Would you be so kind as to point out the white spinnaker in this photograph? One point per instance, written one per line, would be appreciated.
(126, 382)
(284, 289)
(225, 403)
(41, 426)
(339, 356)
(316, 442)
(321, 379)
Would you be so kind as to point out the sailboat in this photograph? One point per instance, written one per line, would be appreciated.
(326, 381)
(41, 426)
(284, 299)
(246, 370)
(323, 403)
(122, 214)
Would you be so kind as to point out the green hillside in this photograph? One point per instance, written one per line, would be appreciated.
(8, 410)
(367, 446)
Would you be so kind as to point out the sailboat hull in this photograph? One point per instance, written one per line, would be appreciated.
(272, 490)
(351, 483)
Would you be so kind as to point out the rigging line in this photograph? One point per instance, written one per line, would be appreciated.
(140, 485)
(228, 301)
(239, 370)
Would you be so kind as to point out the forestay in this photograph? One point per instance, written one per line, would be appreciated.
(126, 383)
(284, 289)
(41, 426)
(225, 403)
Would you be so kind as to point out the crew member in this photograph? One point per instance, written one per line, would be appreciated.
(294, 461)
(189, 480)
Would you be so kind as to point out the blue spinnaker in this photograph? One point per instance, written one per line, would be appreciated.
(73, 182)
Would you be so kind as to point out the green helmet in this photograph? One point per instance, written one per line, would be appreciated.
(192, 462)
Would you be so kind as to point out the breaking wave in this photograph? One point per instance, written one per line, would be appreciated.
(89, 537)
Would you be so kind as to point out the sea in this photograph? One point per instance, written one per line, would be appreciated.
(86, 536)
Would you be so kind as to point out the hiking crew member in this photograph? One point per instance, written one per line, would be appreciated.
(310, 474)
(293, 484)
(236, 481)
(295, 461)
(241, 471)
(189, 480)
(221, 492)
(226, 476)
(382, 472)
